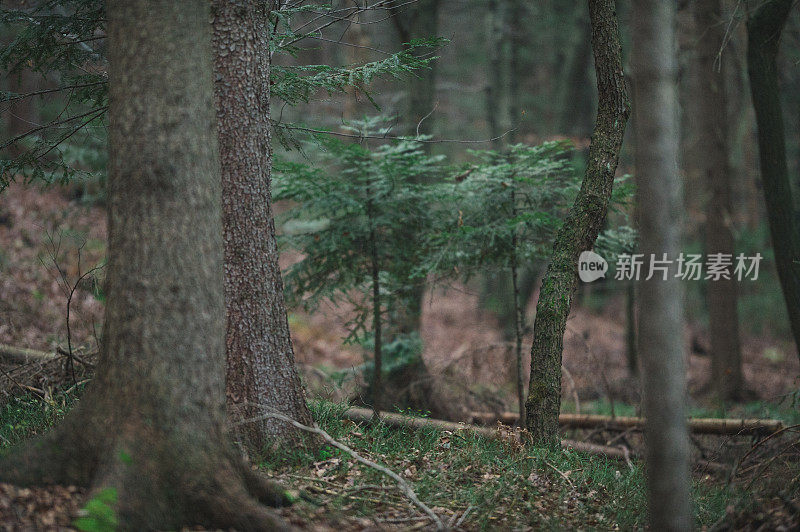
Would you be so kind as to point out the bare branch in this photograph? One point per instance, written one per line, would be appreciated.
(401, 483)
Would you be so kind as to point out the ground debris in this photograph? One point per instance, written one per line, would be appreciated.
(44, 508)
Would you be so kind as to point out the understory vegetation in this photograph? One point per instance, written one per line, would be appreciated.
(496, 483)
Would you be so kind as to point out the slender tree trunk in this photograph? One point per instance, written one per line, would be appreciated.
(764, 31)
(377, 315)
(152, 424)
(630, 329)
(576, 98)
(513, 27)
(420, 20)
(260, 358)
(660, 301)
(711, 145)
(519, 317)
(494, 83)
(580, 229)
(496, 287)
(377, 379)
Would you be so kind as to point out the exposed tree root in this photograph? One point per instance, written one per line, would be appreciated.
(162, 481)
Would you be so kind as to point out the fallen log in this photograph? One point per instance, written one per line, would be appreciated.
(727, 426)
(363, 415)
(22, 355)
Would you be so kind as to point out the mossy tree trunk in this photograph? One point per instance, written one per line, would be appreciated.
(152, 424)
(661, 346)
(260, 358)
(712, 159)
(764, 29)
(580, 229)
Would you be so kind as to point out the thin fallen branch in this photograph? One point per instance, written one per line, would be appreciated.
(401, 483)
(24, 355)
(728, 426)
(560, 473)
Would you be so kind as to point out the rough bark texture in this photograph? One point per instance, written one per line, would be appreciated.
(152, 425)
(764, 31)
(260, 358)
(660, 301)
(712, 160)
(580, 229)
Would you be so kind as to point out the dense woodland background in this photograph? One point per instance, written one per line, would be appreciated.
(419, 160)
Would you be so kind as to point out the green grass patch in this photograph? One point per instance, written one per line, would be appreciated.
(25, 416)
(505, 484)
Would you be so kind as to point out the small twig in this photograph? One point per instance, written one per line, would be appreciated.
(626, 453)
(464, 515)
(769, 463)
(563, 475)
(421, 120)
(71, 388)
(391, 137)
(12, 379)
(401, 483)
(761, 442)
(400, 519)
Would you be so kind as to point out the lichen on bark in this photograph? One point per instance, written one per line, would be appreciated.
(580, 229)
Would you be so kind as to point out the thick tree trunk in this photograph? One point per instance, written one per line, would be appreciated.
(711, 147)
(152, 425)
(580, 229)
(660, 301)
(260, 358)
(764, 31)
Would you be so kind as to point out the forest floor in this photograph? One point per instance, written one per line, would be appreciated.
(49, 240)
(470, 482)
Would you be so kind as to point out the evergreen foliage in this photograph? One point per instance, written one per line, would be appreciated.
(358, 210)
(64, 40)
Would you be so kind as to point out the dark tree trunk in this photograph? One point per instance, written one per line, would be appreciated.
(580, 229)
(515, 13)
(260, 359)
(764, 31)
(631, 355)
(660, 300)
(420, 20)
(152, 425)
(576, 103)
(494, 82)
(711, 157)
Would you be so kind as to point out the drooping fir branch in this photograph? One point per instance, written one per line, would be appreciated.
(64, 40)
(298, 84)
